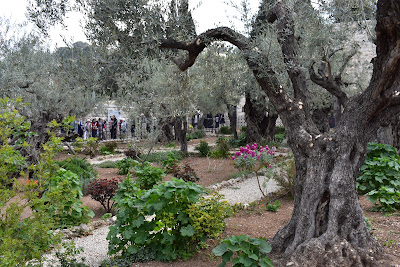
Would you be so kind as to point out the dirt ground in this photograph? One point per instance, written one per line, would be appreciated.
(256, 221)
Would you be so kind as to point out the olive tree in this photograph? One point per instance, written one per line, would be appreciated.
(327, 225)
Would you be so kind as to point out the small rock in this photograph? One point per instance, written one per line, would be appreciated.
(290, 263)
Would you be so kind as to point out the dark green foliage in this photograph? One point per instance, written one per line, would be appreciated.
(225, 130)
(125, 164)
(162, 156)
(80, 167)
(222, 149)
(241, 141)
(196, 134)
(380, 177)
(170, 162)
(273, 206)
(169, 233)
(62, 200)
(148, 176)
(143, 254)
(203, 148)
(186, 173)
(248, 251)
(103, 190)
(109, 148)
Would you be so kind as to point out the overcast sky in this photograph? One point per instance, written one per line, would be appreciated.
(206, 13)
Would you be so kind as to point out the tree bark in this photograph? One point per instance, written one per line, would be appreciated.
(232, 114)
(180, 126)
(165, 135)
(259, 126)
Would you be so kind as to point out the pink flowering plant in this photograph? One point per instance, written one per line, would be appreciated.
(254, 158)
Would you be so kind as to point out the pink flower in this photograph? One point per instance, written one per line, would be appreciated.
(233, 157)
(238, 153)
(258, 157)
(245, 156)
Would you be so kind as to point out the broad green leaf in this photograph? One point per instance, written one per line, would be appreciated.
(220, 249)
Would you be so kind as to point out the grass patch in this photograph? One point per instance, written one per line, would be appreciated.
(107, 164)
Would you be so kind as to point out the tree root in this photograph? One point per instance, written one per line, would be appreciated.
(332, 253)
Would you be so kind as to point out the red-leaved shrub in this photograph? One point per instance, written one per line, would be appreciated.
(103, 190)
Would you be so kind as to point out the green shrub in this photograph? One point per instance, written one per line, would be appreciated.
(222, 149)
(196, 134)
(169, 232)
(107, 164)
(125, 164)
(88, 146)
(80, 167)
(170, 162)
(246, 251)
(186, 173)
(288, 180)
(241, 141)
(109, 148)
(208, 216)
(203, 148)
(62, 200)
(225, 130)
(380, 177)
(161, 156)
(143, 254)
(243, 129)
(273, 206)
(148, 176)
(22, 239)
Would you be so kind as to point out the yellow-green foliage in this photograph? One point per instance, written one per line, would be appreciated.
(208, 216)
(21, 239)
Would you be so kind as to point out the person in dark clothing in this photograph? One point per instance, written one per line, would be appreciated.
(114, 125)
(133, 130)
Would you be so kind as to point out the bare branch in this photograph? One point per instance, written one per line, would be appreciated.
(285, 26)
(331, 86)
(202, 41)
(344, 65)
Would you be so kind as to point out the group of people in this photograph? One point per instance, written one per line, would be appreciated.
(98, 128)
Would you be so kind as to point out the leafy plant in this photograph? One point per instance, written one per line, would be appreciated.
(273, 206)
(125, 164)
(80, 167)
(196, 134)
(285, 174)
(22, 239)
(103, 190)
(241, 141)
(67, 255)
(222, 149)
(248, 251)
(208, 216)
(203, 148)
(161, 156)
(62, 200)
(186, 173)
(225, 130)
(156, 219)
(109, 148)
(380, 177)
(147, 176)
(170, 162)
(143, 254)
(88, 146)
